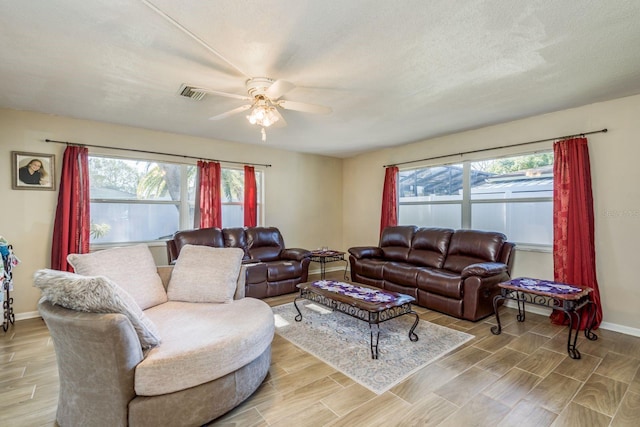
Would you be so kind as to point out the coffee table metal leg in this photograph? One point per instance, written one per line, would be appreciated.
(298, 317)
(592, 320)
(521, 312)
(412, 335)
(571, 346)
(374, 341)
(496, 330)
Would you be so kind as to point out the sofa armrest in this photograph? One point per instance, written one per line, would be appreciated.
(483, 269)
(295, 254)
(360, 252)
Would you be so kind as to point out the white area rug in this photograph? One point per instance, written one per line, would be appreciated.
(343, 342)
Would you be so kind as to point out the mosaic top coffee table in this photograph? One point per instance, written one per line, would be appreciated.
(363, 302)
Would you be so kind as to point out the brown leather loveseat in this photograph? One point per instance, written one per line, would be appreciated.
(452, 271)
(272, 269)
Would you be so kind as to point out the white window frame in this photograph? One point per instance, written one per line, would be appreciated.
(184, 221)
(466, 203)
(184, 205)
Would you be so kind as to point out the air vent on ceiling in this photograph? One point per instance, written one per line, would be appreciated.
(187, 91)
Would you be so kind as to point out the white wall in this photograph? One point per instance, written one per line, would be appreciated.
(615, 175)
(300, 189)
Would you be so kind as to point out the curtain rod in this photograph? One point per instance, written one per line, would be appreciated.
(157, 152)
(605, 130)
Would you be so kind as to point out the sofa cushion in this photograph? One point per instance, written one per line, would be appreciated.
(440, 282)
(95, 294)
(400, 273)
(395, 242)
(429, 247)
(202, 342)
(130, 267)
(471, 247)
(265, 243)
(370, 268)
(236, 237)
(283, 270)
(205, 274)
(211, 236)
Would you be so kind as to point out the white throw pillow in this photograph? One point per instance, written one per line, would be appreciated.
(130, 267)
(205, 274)
(93, 294)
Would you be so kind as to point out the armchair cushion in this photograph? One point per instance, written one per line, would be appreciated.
(131, 267)
(205, 274)
(95, 294)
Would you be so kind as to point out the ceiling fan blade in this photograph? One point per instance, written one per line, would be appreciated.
(281, 121)
(278, 88)
(231, 112)
(192, 35)
(217, 92)
(303, 106)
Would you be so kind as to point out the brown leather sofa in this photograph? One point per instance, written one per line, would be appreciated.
(272, 269)
(452, 271)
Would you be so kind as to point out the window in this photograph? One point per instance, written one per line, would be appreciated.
(512, 195)
(138, 200)
(142, 201)
(233, 197)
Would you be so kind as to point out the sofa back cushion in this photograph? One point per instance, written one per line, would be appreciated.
(204, 237)
(264, 243)
(236, 237)
(472, 246)
(429, 247)
(395, 242)
(131, 267)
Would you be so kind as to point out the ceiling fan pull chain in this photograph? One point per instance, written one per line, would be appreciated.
(264, 135)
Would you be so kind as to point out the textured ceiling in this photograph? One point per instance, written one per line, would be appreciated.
(392, 71)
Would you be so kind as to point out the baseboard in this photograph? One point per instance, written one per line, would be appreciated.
(27, 315)
(620, 328)
(627, 330)
(327, 270)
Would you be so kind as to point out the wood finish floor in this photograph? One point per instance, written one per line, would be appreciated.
(522, 377)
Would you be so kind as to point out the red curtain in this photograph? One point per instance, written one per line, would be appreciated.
(72, 223)
(574, 255)
(389, 216)
(250, 197)
(210, 198)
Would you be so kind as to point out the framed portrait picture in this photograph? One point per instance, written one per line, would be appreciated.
(33, 171)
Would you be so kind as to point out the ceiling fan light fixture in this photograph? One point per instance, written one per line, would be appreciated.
(263, 115)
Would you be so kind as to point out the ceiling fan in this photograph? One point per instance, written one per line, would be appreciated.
(264, 101)
(264, 94)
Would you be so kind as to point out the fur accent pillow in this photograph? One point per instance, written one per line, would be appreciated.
(130, 267)
(205, 274)
(95, 295)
